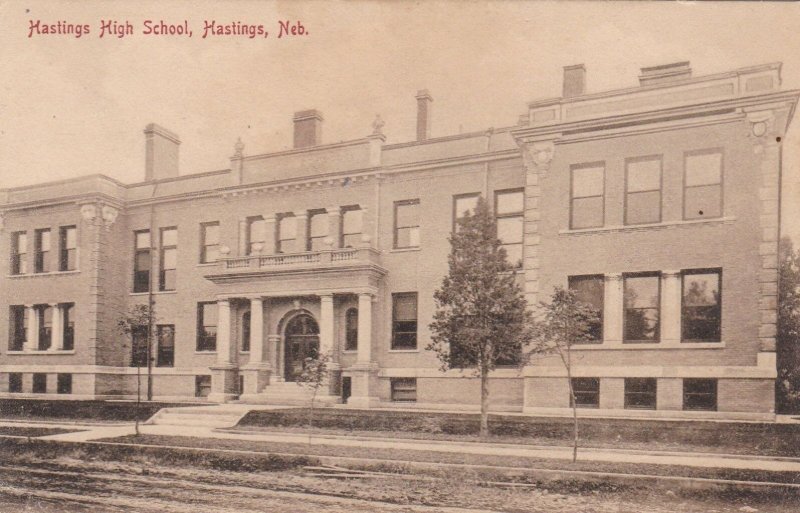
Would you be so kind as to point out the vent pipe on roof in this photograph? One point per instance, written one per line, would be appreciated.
(307, 128)
(574, 80)
(424, 105)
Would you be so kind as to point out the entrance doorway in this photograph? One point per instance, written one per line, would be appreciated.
(301, 341)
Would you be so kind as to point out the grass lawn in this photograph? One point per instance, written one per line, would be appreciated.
(394, 458)
(32, 431)
(763, 439)
(102, 411)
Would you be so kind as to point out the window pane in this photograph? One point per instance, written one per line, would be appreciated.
(509, 229)
(44, 240)
(287, 227)
(405, 307)
(169, 237)
(513, 254)
(170, 258)
(644, 175)
(589, 290)
(407, 237)
(705, 201)
(701, 313)
(464, 204)
(641, 291)
(209, 314)
(641, 308)
(70, 238)
(211, 234)
(509, 202)
(587, 181)
(142, 240)
(703, 169)
(643, 207)
(407, 215)
(257, 231)
(352, 221)
(587, 212)
(319, 225)
(212, 254)
(700, 394)
(586, 391)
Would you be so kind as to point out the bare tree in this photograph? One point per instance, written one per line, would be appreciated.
(138, 321)
(565, 321)
(315, 376)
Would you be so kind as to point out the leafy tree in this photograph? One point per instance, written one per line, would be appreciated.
(314, 376)
(788, 336)
(139, 320)
(481, 317)
(565, 321)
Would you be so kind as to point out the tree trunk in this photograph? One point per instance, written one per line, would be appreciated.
(574, 410)
(484, 433)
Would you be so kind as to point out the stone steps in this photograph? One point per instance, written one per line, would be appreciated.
(290, 393)
(206, 417)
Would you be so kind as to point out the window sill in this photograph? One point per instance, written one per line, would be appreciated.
(618, 346)
(404, 250)
(201, 353)
(649, 226)
(350, 351)
(404, 350)
(156, 293)
(207, 264)
(39, 352)
(35, 275)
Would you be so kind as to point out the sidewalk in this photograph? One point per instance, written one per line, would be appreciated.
(699, 460)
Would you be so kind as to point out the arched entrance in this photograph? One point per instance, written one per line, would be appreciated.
(301, 341)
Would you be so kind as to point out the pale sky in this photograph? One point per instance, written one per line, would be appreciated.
(75, 106)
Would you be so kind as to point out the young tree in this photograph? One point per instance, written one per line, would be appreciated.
(138, 321)
(314, 376)
(565, 321)
(481, 317)
(788, 336)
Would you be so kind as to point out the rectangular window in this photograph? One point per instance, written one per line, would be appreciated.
(19, 253)
(352, 225)
(68, 248)
(589, 289)
(68, 311)
(141, 261)
(406, 224)
(509, 211)
(18, 328)
(246, 332)
(139, 347)
(15, 382)
(587, 392)
(351, 329)
(169, 259)
(642, 307)
(256, 235)
(41, 251)
(404, 320)
(165, 356)
(701, 306)
(702, 190)
(404, 390)
(640, 393)
(45, 313)
(207, 326)
(202, 386)
(643, 190)
(64, 383)
(39, 383)
(287, 234)
(317, 230)
(587, 193)
(209, 242)
(464, 204)
(700, 394)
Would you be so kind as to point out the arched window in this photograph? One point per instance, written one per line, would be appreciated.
(351, 330)
(246, 331)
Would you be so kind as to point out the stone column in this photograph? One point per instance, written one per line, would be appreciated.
(274, 341)
(364, 374)
(613, 309)
(364, 328)
(257, 371)
(670, 307)
(301, 232)
(32, 336)
(334, 226)
(326, 331)
(270, 234)
(57, 336)
(223, 373)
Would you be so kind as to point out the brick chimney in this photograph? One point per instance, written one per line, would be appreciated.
(307, 128)
(424, 105)
(160, 153)
(574, 80)
(665, 73)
